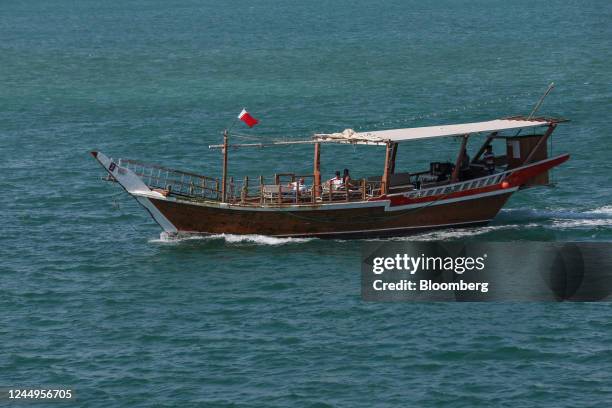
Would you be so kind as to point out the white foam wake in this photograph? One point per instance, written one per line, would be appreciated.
(561, 218)
(441, 235)
(605, 210)
(229, 239)
(582, 223)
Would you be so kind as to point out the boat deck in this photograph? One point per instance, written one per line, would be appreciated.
(278, 191)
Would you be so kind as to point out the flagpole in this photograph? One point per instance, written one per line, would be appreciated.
(225, 153)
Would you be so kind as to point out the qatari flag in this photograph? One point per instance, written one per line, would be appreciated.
(247, 118)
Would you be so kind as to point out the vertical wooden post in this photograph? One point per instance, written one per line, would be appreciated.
(224, 182)
(231, 189)
(384, 185)
(316, 184)
(363, 189)
(261, 190)
(393, 155)
(312, 192)
(455, 175)
(245, 189)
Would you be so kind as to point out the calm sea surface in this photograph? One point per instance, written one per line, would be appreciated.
(92, 298)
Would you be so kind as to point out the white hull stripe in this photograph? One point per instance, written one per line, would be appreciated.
(338, 206)
(418, 227)
(307, 207)
(451, 200)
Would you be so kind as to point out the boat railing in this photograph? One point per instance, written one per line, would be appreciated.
(281, 188)
(291, 188)
(456, 187)
(175, 182)
(278, 189)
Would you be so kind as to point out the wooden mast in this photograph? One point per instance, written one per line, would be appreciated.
(455, 175)
(317, 170)
(384, 185)
(224, 181)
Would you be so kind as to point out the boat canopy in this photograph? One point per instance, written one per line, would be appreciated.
(401, 135)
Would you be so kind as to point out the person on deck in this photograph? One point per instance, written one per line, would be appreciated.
(346, 179)
(298, 184)
(337, 182)
(489, 159)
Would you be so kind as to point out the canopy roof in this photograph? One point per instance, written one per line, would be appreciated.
(401, 135)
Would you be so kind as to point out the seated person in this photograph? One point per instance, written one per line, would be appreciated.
(489, 159)
(298, 184)
(346, 179)
(337, 182)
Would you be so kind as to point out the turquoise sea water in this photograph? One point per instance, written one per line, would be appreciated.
(92, 298)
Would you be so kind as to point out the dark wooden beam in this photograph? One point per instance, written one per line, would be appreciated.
(542, 140)
(455, 175)
(384, 185)
(224, 181)
(316, 184)
(393, 155)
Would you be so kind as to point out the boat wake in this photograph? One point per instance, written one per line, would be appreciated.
(166, 238)
(442, 235)
(562, 218)
(520, 219)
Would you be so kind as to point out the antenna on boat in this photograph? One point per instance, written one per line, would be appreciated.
(537, 106)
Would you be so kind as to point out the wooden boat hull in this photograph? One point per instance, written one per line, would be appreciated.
(373, 221)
